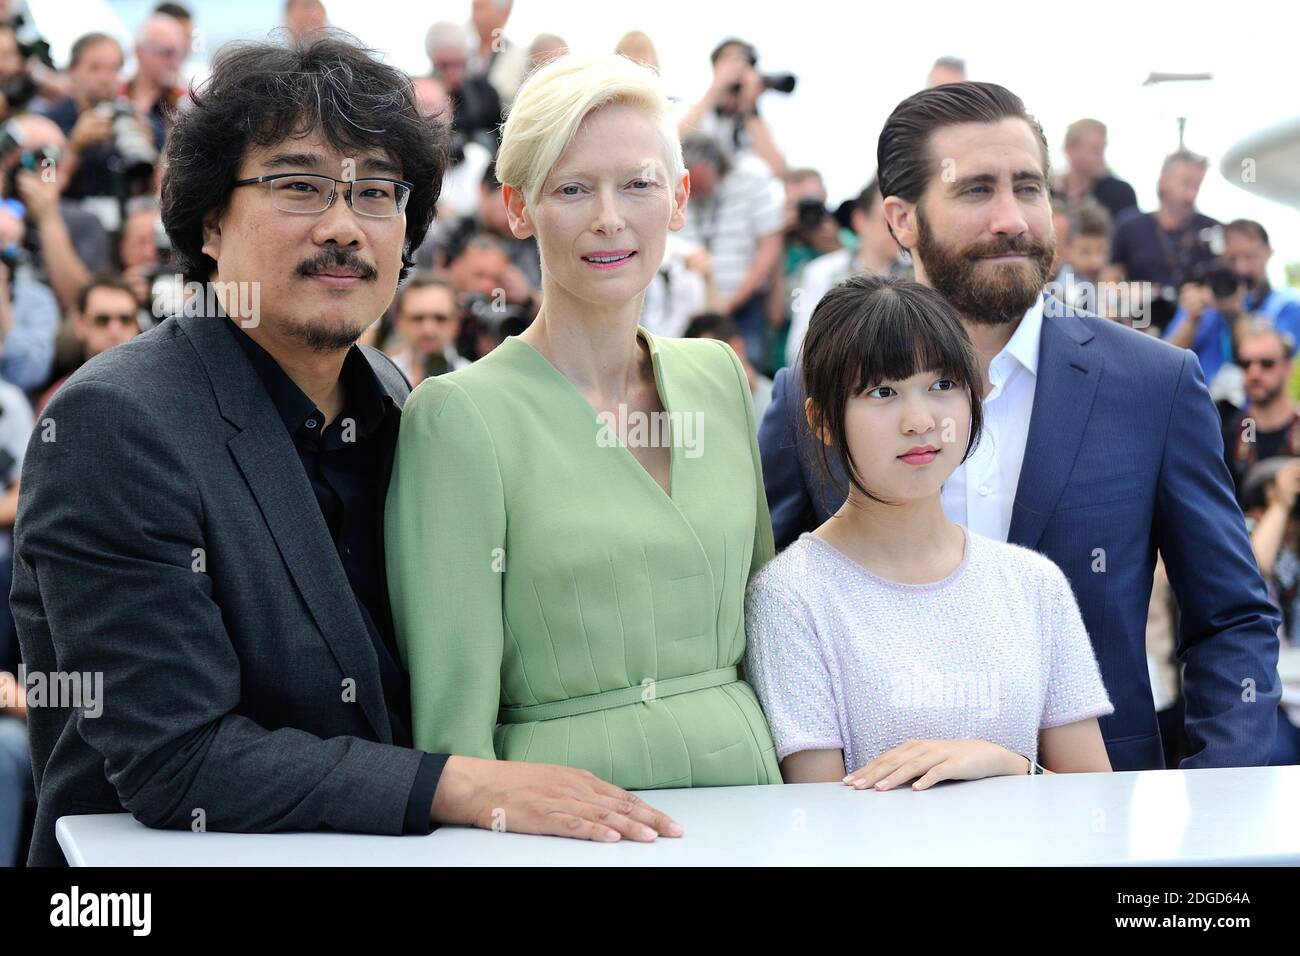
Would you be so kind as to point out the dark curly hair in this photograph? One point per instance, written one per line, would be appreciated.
(262, 93)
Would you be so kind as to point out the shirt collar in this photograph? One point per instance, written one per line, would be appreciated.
(364, 396)
(1023, 346)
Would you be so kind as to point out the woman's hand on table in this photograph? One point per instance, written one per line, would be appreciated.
(928, 761)
(521, 797)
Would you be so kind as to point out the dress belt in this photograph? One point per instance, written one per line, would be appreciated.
(651, 690)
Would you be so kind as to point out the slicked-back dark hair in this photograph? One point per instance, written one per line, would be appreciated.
(904, 163)
(871, 329)
(262, 93)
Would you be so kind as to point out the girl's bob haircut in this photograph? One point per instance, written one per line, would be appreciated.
(873, 329)
(555, 99)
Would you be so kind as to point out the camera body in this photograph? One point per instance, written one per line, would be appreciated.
(19, 90)
(132, 147)
(1223, 282)
(778, 82)
(810, 213)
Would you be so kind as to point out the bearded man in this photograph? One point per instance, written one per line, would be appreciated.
(1101, 445)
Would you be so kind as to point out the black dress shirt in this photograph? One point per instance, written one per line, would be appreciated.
(348, 463)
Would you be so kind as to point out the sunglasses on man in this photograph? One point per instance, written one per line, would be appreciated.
(102, 319)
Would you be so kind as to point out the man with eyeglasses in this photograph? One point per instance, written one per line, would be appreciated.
(201, 519)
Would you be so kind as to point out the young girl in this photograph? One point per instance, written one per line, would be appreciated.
(891, 642)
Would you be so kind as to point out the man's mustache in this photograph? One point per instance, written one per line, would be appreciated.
(339, 259)
(1021, 245)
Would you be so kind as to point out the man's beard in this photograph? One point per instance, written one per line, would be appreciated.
(343, 333)
(1268, 397)
(987, 296)
(340, 335)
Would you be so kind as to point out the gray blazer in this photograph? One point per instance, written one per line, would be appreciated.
(168, 543)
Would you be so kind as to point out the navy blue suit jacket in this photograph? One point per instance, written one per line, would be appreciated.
(1124, 454)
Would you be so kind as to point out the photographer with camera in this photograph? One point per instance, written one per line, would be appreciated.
(66, 244)
(111, 152)
(17, 88)
(728, 111)
(427, 322)
(1165, 248)
(475, 103)
(495, 297)
(1235, 284)
(485, 214)
(468, 159)
(874, 253)
(161, 46)
(811, 230)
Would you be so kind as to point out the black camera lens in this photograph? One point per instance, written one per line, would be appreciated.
(779, 82)
(1224, 283)
(811, 212)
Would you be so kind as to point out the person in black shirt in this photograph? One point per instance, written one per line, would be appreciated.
(475, 104)
(202, 533)
(90, 167)
(1269, 425)
(1165, 247)
(1087, 176)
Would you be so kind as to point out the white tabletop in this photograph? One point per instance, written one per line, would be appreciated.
(1158, 817)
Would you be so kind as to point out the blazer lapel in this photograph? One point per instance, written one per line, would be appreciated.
(269, 462)
(1068, 374)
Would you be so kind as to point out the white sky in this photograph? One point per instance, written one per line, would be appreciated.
(855, 61)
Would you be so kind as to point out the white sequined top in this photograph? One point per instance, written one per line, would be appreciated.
(842, 659)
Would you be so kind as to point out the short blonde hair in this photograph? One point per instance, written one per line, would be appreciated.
(555, 99)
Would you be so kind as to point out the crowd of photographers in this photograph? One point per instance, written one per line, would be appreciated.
(84, 261)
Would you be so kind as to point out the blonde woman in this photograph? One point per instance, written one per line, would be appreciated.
(573, 519)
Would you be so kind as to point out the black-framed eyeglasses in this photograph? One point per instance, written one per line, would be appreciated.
(310, 193)
(1265, 363)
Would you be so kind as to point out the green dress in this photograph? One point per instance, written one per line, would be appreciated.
(551, 602)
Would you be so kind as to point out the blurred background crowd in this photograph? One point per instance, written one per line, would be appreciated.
(85, 264)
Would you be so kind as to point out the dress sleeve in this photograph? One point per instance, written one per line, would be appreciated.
(1074, 687)
(787, 669)
(445, 532)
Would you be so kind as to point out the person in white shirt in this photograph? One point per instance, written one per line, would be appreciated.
(877, 253)
(891, 641)
(737, 216)
(682, 287)
(728, 114)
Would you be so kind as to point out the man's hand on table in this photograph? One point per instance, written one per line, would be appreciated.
(522, 797)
